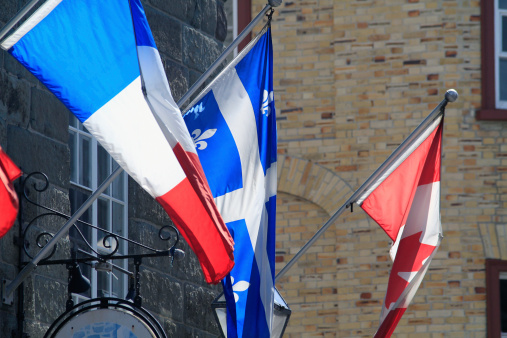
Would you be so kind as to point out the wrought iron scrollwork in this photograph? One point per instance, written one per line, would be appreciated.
(110, 241)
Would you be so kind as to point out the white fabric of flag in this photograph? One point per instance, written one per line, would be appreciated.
(234, 129)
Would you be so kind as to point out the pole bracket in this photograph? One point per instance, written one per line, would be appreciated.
(6, 298)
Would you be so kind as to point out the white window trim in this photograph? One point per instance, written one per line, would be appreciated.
(500, 104)
(110, 199)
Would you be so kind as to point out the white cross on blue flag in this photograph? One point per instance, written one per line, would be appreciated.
(234, 129)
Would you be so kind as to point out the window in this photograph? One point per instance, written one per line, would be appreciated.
(496, 301)
(494, 60)
(90, 166)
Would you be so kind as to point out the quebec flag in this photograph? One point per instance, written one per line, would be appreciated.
(234, 130)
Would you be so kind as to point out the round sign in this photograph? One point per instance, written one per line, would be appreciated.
(98, 323)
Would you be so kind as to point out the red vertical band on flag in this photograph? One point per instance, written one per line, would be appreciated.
(193, 201)
(8, 198)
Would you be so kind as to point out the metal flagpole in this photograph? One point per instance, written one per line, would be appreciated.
(227, 51)
(12, 22)
(450, 96)
(32, 265)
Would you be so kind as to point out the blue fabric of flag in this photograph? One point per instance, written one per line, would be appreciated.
(219, 123)
(103, 74)
(220, 158)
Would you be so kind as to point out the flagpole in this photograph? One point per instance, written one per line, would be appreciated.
(227, 51)
(12, 22)
(450, 96)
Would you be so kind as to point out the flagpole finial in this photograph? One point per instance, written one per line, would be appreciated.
(451, 95)
(275, 3)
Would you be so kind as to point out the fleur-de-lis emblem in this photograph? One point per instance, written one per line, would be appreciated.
(267, 98)
(199, 142)
(197, 109)
(239, 287)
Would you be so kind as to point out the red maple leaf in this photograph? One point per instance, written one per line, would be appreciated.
(410, 257)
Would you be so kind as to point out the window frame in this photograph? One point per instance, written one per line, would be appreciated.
(493, 269)
(490, 42)
(77, 131)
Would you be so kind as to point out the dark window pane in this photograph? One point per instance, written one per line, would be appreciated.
(79, 238)
(86, 162)
(72, 120)
(504, 33)
(503, 79)
(102, 166)
(117, 285)
(503, 303)
(103, 214)
(73, 160)
(502, 4)
(118, 185)
(103, 284)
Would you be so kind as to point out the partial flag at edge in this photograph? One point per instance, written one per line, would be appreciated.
(9, 203)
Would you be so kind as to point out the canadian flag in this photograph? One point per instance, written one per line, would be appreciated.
(8, 198)
(405, 202)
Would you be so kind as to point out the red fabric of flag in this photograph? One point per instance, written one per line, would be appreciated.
(406, 204)
(8, 198)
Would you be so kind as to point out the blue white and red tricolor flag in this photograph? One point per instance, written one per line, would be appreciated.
(405, 202)
(234, 129)
(100, 59)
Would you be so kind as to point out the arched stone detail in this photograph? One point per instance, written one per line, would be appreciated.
(312, 182)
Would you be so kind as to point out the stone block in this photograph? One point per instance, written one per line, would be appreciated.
(199, 50)
(49, 298)
(48, 115)
(9, 252)
(162, 294)
(173, 329)
(143, 206)
(3, 132)
(181, 9)
(14, 100)
(32, 152)
(221, 29)
(198, 312)
(8, 324)
(177, 76)
(205, 16)
(13, 67)
(167, 33)
(8, 9)
(36, 329)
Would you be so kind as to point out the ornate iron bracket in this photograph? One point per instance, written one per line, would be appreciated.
(34, 239)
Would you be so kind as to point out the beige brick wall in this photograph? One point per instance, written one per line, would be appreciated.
(352, 79)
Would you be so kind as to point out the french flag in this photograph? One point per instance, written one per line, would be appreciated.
(405, 202)
(100, 59)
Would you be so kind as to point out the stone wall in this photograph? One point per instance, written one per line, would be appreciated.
(34, 132)
(352, 80)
